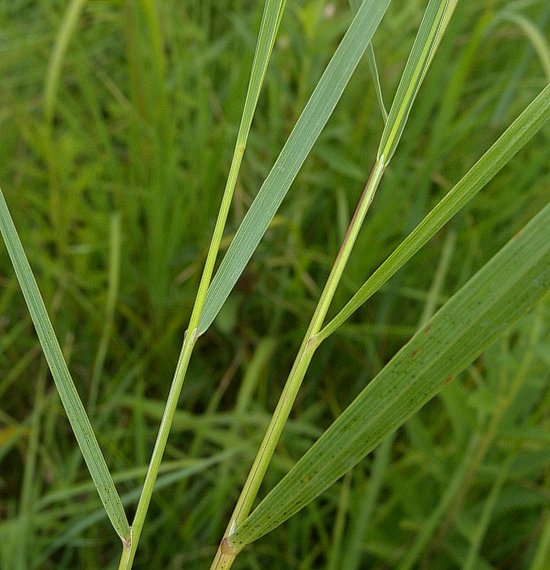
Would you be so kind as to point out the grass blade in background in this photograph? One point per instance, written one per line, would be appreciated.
(513, 85)
(503, 150)
(67, 391)
(115, 247)
(508, 286)
(66, 31)
(538, 42)
(306, 131)
(435, 21)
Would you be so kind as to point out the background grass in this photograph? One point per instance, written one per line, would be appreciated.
(141, 134)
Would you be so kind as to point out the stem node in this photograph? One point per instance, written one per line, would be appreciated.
(127, 543)
(226, 547)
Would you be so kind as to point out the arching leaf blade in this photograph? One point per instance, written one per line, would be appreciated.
(508, 286)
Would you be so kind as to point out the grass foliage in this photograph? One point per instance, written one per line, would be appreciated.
(122, 123)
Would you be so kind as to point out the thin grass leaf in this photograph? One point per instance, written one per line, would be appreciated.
(371, 58)
(435, 21)
(535, 36)
(306, 131)
(269, 27)
(505, 148)
(508, 286)
(520, 68)
(66, 31)
(473, 560)
(110, 305)
(67, 391)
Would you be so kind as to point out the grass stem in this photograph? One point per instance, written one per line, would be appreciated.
(128, 553)
(225, 554)
(190, 339)
(189, 342)
(270, 24)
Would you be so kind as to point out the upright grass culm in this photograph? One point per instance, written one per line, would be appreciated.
(268, 31)
(453, 331)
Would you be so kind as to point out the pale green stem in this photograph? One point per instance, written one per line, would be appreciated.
(226, 554)
(218, 229)
(129, 550)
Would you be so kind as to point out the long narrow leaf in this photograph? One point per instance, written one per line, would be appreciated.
(306, 131)
(501, 292)
(271, 19)
(67, 391)
(435, 20)
(510, 142)
(371, 58)
(66, 32)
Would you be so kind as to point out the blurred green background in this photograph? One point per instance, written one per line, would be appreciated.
(113, 171)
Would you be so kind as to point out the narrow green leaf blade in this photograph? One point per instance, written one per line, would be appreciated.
(533, 118)
(376, 78)
(371, 57)
(506, 288)
(436, 18)
(66, 32)
(67, 391)
(271, 18)
(306, 131)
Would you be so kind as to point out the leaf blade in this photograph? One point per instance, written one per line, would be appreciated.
(271, 19)
(518, 134)
(72, 403)
(436, 18)
(500, 293)
(371, 58)
(292, 156)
